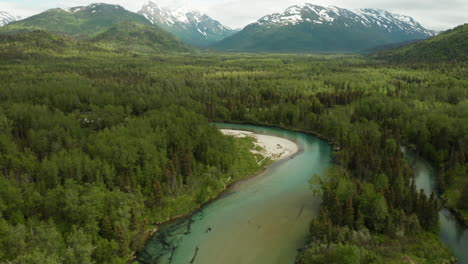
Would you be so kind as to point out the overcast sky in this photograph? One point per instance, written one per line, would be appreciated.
(432, 14)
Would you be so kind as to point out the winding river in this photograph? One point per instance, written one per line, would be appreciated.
(264, 220)
(451, 233)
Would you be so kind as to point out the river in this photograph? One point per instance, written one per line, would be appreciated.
(452, 234)
(263, 220)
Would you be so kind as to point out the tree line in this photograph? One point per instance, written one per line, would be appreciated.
(97, 146)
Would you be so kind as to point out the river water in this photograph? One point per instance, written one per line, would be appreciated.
(263, 220)
(451, 233)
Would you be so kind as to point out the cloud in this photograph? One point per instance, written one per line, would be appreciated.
(433, 14)
(16, 9)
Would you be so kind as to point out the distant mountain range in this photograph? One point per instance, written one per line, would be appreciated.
(300, 28)
(109, 26)
(6, 18)
(313, 28)
(190, 26)
(447, 46)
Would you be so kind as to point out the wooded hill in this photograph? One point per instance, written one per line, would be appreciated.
(447, 46)
(109, 27)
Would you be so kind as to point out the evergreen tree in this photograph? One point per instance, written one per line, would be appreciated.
(106, 230)
(463, 202)
(349, 213)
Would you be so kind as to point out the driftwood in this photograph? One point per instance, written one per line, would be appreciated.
(194, 256)
(172, 254)
(300, 212)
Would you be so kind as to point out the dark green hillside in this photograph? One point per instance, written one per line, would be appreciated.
(40, 44)
(136, 37)
(54, 20)
(312, 28)
(306, 37)
(78, 21)
(449, 45)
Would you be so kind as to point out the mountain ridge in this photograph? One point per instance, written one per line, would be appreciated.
(309, 27)
(81, 21)
(111, 27)
(190, 26)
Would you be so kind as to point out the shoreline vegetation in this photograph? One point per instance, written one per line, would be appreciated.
(461, 218)
(271, 148)
(111, 132)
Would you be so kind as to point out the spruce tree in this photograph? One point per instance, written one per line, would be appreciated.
(463, 202)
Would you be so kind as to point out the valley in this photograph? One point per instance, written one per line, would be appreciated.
(111, 149)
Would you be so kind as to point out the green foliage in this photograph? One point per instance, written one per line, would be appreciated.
(463, 202)
(82, 22)
(130, 36)
(82, 169)
(447, 46)
(313, 37)
(93, 143)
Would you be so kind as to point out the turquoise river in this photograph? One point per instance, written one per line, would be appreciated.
(264, 220)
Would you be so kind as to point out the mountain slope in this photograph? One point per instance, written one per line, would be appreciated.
(449, 45)
(78, 21)
(40, 44)
(191, 27)
(312, 28)
(6, 18)
(141, 38)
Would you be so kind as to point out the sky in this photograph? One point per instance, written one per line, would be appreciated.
(432, 14)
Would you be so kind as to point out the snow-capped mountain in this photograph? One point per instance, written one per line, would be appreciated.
(190, 26)
(311, 27)
(6, 18)
(339, 16)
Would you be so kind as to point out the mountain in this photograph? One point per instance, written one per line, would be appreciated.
(41, 44)
(312, 28)
(448, 45)
(6, 18)
(83, 21)
(191, 27)
(137, 37)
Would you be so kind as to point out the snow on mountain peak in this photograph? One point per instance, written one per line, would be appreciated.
(165, 15)
(93, 8)
(186, 23)
(332, 15)
(6, 18)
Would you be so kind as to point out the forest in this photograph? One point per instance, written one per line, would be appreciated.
(98, 146)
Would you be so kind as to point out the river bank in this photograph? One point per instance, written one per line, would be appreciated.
(452, 231)
(259, 220)
(456, 213)
(271, 148)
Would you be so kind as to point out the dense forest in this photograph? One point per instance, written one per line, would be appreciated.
(449, 45)
(88, 165)
(96, 146)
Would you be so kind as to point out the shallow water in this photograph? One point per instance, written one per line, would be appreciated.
(451, 233)
(263, 220)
